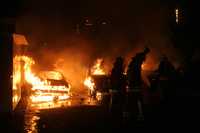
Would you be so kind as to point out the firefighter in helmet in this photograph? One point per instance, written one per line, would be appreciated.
(134, 79)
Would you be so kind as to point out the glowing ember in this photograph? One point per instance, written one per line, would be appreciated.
(43, 90)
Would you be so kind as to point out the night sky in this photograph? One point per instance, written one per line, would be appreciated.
(47, 20)
(130, 25)
(50, 27)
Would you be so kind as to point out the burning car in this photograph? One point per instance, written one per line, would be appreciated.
(101, 83)
(47, 86)
(56, 88)
(97, 81)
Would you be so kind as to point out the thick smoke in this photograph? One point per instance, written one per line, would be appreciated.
(55, 44)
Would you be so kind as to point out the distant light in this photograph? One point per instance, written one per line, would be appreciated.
(88, 23)
(177, 17)
(104, 23)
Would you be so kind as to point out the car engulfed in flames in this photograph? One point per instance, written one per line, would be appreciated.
(56, 89)
(48, 86)
(97, 81)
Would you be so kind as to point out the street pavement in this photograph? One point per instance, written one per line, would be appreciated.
(83, 114)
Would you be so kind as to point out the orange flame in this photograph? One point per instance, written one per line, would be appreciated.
(89, 83)
(40, 87)
(95, 70)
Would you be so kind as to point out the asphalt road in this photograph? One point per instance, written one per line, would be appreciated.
(81, 115)
(84, 115)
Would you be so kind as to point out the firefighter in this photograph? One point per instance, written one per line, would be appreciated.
(167, 78)
(134, 78)
(166, 68)
(117, 74)
(117, 85)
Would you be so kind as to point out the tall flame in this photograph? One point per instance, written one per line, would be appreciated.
(29, 76)
(16, 73)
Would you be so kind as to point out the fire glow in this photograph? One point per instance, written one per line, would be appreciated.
(89, 83)
(41, 90)
(95, 70)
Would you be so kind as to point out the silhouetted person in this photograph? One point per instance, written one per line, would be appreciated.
(166, 68)
(134, 69)
(134, 78)
(167, 78)
(117, 75)
(118, 83)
